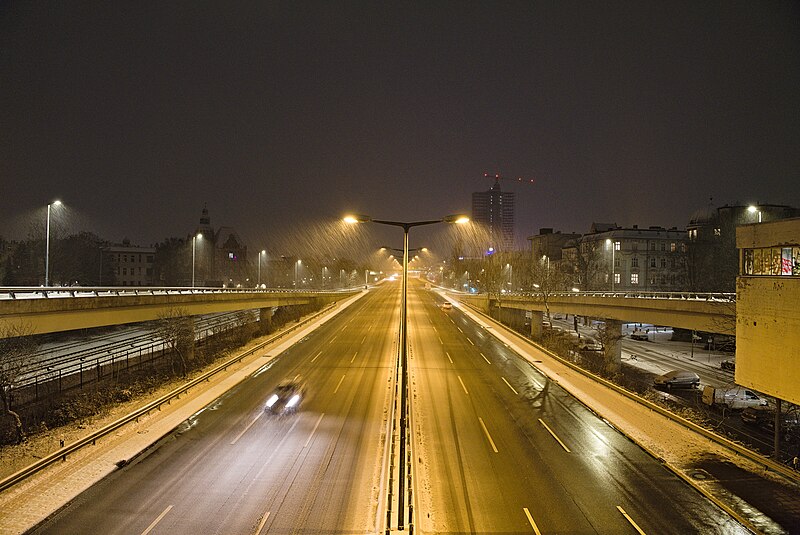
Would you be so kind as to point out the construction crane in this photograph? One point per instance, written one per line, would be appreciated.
(497, 178)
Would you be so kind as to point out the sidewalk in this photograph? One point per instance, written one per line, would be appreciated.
(763, 501)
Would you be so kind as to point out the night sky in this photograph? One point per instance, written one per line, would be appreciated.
(281, 115)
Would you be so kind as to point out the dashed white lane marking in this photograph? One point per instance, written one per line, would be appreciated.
(462, 385)
(487, 434)
(509, 385)
(313, 430)
(530, 519)
(157, 520)
(338, 385)
(629, 519)
(260, 414)
(554, 435)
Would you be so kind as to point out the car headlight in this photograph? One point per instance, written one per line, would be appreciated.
(294, 401)
(271, 401)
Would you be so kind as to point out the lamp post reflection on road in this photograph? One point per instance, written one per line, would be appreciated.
(406, 226)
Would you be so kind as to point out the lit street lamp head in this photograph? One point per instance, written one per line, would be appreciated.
(357, 218)
(458, 219)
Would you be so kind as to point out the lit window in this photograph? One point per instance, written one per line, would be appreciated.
(717, 232)
(672, 247)
(634, 278)
(617, 245)
(616, 278)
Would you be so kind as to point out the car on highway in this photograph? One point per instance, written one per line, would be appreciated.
(447, 305)
(677, 379)
(287, 396)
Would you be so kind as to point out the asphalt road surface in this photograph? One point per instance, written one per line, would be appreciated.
(501, 449)
(498, 448)
(235, 468)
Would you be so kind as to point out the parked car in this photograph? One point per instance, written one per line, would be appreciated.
(765, 419)
(677, 379)
(587, 344)
(639, 335)
(728, 365)
(733, 398)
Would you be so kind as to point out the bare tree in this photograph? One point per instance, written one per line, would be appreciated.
(546, 279)
(17, 350)
(609, 338)
(176, 328)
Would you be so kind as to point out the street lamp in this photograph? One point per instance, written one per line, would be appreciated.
(262, 253)
(754, 209)
(296, 266)
(613, 247)
(194, 240)
(47, 245)
(458, 219)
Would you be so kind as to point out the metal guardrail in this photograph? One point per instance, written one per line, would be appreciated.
(96, 359)
(92, 438)
(51, 292)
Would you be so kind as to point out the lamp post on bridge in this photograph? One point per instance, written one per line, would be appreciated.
(262, 253)
(406, 226)
(194, 240)
(47, 245)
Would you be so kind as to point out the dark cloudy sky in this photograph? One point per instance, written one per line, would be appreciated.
(276, 114)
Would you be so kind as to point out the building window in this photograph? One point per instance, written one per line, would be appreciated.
(124, 271)
(616, 262)
(652, 262)
(634, 262)
(652, 246)
(717, 232)
(616, 278)
(634, 278)
(672, 247)
(652, 280)
(663, 262)
(635, 246)
(149, 259)
(663, 246)
(617, 245)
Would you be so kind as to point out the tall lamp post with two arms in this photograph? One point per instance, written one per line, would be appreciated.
(406, 226)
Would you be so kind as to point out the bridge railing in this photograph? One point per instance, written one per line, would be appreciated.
(42, 292)
(683, 296)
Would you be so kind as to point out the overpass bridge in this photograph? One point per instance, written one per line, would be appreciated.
(45, 310)
(708, 312)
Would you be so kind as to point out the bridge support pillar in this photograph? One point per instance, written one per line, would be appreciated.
(265, 320)
(613, 345)
(536, 324)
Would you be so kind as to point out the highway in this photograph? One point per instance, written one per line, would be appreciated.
(497, 447)
(235, 468)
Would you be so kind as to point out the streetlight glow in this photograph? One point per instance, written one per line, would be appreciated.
(47, 244)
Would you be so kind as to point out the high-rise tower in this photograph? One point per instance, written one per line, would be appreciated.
(495, 210)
